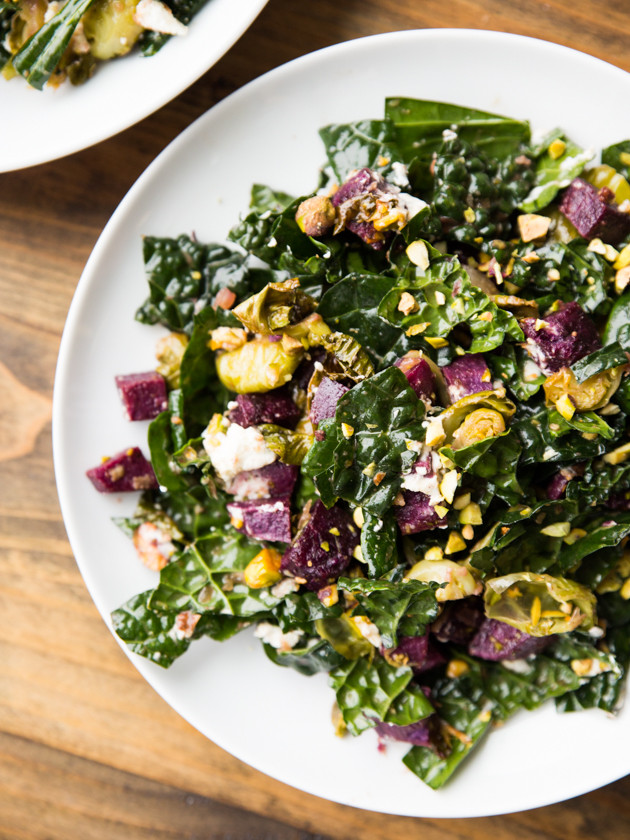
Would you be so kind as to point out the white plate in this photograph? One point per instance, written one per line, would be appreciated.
(273, 718)
(40, 126)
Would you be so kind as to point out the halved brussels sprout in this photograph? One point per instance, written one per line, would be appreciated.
(490, 408)
(480, 424)
(258, 366)
(458, 577)
(344, 636)
(110, 27)
(275, 307)
(290, 446)
(169, 352)
(539, 604)
(595, 392)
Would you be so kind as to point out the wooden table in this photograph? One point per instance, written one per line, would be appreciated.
(87, 749)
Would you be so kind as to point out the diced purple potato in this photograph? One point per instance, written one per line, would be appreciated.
(263, 519)
(325, 399)
(560, 338)
(323, 548)
(420, 733)
(556, 487)
(558, 484)
(496, 640)
(143, 395)
(421, 653)
(459, 621)
(593, 213)
(417, 514)
(276, 479)
(619, 500)
(306, 368)
(466, 375)
(419, 376)
(275, 406)
(127, 471)
(362, 182)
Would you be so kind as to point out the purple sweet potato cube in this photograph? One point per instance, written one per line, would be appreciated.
(143, 395)
(593, 213)
(351, 194)
(419, 652)
(496, 640)
(323, 548)
(420, 733)
(276, 479)
(558, 484)
(324, 403)
(419, 375)
(466, 375)
(128, 470)
(417, 514)
(275, 406)
(619, 500)
(561, 337)
(459, 621)
(263, 519)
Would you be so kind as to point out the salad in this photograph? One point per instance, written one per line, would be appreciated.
(48, 41)
(388, 430)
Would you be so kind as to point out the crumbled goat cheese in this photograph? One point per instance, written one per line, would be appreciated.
(368, 630)
(272, 635)
(517, 666)
(154, 15)
(285, 587)
(237, 450)
(399, 175)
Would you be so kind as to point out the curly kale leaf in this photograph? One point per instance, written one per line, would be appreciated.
(151, 632)
(184, 277)
(365, 468)
(351, 306)
(366, 690)
(553, 173)
(420, 125)
(206, 578)
(445, 299)
(397, 608)
(369, 143)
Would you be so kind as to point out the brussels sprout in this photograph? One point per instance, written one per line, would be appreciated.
(169, 352)
(595, 392)
(110, 27)
(277, 306)
(442, 429)
(26, 22)
(259, 366)
(309, 331)
(350, 359)
(458, 577)
(290, 446)
(344, 636)
(480, 424)
(538, 604)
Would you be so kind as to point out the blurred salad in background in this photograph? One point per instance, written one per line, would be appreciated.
(51, 41)
(389, 430)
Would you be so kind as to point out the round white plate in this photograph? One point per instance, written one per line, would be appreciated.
(267, 133)
(40, 126)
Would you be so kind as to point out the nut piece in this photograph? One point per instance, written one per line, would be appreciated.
(263, 569)
(407, 304)
(316, 216)
(532, 226)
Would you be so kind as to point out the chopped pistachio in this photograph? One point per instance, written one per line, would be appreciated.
(471, 514)
(619, 455)
(461, 501)
(434, 553)
(407, 304)
(557, 148)
(418, 254)
(574, 535)
(623, 258)
(448, 485)
(557, 529)
(454, 543)
(531, 226)
(357, 516)
(456, 668)
(347, 430)
(565, 406)
(436, 342)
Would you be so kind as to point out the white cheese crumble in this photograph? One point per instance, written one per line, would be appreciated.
(237, 450)
(517, 666)
(368, 630)
(285, 587)
(272, 635)
(154, 15)
(399, 174)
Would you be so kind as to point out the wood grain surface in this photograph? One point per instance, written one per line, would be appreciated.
(88, 751)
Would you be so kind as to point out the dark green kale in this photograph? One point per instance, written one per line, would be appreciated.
(151, 41)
